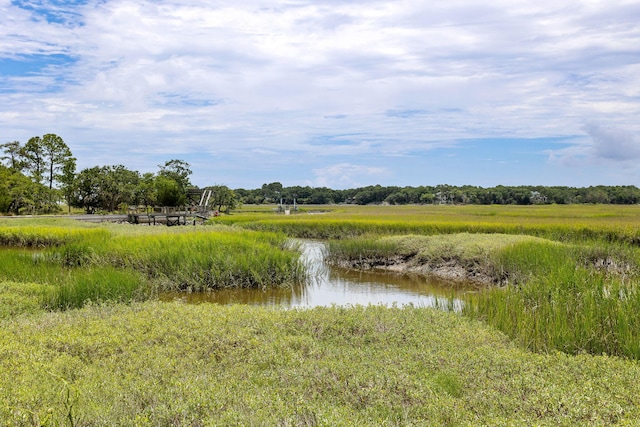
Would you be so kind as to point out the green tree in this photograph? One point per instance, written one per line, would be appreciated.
(87, 189)
(169, 192)
(272, 191)
(33, 156)
(223, 197)
(118, 187)
(146, 192)
(67, 179)
(16, 191)
(177, 170)
(12, 155)
(57, 158)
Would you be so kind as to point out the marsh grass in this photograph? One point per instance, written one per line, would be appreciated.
(123, 262)
(160, 364)
(19, 298)
(40, 233)
(570, 223)
(550, 295)
(561, 298)
(196, 261)
(95, 284)
(55, 286)
(471, 251)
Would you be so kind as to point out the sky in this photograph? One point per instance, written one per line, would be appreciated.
(341, 94)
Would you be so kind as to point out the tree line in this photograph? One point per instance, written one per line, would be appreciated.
(441, 194)
(40, 175)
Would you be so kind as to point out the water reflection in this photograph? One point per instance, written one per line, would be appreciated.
(334, 286)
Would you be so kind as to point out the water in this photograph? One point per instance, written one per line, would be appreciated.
(329, 286)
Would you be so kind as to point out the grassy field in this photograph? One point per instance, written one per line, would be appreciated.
(552, 339)
(567, 275)
(556, 222)
(171, 364)
(78, 262)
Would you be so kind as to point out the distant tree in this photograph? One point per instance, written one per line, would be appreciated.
(12, 155)
(16, 191)
(596, 195)
(118, 186)
(87, 189)
(57, 157)
(33, 156)
(272, 191)
(223, 197)
(104, 187)
(169, 192)
(67, 179)
(427, 198)
(146, 192)
(177, 170)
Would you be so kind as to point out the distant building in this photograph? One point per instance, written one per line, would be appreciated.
(537, 198)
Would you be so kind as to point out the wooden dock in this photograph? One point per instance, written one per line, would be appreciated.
(158, 218)
(167, 216)
(170, 215)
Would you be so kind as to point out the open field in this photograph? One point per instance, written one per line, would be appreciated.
(556, 222)
(160, 364)
(558, 289)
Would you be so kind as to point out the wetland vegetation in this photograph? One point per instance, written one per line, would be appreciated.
(548, 336)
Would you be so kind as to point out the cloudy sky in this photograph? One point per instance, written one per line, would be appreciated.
(332, 93)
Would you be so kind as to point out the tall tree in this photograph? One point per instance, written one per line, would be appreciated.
(57, 156)
(118, 186)
(146, 192)
(177, 170)
(272, 191)
(87, 189)
(16, 191)
(67, 179)
(169, 192)
(12, 155)
(33, 156)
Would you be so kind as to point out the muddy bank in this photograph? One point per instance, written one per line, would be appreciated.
(452, 269)
(480, 270)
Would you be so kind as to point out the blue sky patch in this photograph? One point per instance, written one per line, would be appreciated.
(32, 64)
(53, 11)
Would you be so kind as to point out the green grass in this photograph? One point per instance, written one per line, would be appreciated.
(124, 262)
(562, 301)
(465, 249)
(568, 292)
(570, 223)
(20, 298)
(36, 276)
(40, 234)
(550, 296)
(158, 364)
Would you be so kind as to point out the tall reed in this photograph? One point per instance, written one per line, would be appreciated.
(560, 301)
(194, 260)
(96, 284)
(118, 263)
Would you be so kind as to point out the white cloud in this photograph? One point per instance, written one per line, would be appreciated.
(345, 175)
(402, 76)
(603, 145)
(613, 144)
